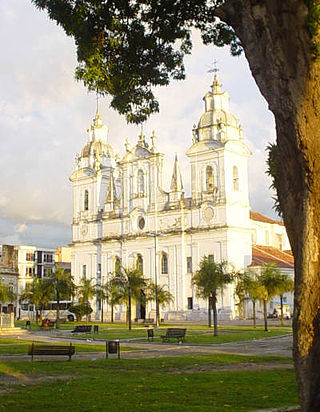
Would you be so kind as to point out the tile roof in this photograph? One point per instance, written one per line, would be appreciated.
(261, 218)
(268, 254)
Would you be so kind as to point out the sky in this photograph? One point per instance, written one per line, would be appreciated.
(44, 115)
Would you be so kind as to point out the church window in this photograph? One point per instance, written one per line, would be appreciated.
(190, 303)
(189, 264)
(209, 179)
(117, 264)
(164, 264)
(235, 178)
(211, 258)
(139, 263)
(86, 200)
(84, 271)
(140, 182)
(141, 223)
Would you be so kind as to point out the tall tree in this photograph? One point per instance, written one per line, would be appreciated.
(61, 284)
(129, 282)
(159, 294)
(285, 285)
(6, 294)
(86, 291)
(209, 278)
(269, 282)
(39, 294)
(126, 47)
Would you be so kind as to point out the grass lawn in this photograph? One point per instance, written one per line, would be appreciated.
(20, 346)
(192, 383)
(202, 336)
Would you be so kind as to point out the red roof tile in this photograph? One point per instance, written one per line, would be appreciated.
(268, 254)
(261, 218)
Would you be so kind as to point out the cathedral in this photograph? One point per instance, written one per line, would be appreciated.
(122, 213)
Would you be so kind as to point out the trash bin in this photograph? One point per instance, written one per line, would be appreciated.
(150, 334)
(113, 347)
(28, 324)
(95, 329)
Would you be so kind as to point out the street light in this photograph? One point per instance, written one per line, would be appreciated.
(155, 235)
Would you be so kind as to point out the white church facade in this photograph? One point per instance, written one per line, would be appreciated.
(121, 212)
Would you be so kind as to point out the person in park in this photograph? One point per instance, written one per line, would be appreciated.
(124, 48)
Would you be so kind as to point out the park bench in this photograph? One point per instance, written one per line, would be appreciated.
(82, 329)
(51, 350)
(174, 333)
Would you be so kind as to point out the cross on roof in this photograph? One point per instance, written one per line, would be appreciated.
(215, 67)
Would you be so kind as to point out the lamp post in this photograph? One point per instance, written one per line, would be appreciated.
(155, 235)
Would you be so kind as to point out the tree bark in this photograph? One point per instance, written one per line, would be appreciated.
(58, 311)
(265, 315)
(129, 311)
(278, 47)
(254, 313)
(111, 313)
(215, 316)
(209, 313)
(281, 309)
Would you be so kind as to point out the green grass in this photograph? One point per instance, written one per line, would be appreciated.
(190, 383)
(202, 336)
(19, 346)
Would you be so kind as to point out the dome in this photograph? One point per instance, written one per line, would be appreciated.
(98, 148)
(216, 117)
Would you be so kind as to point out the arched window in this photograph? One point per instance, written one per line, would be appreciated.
(139, 263)
(140, 182)
(86, 200)
(209, 179)
(164, 264)
(235, 178)
(117, 264)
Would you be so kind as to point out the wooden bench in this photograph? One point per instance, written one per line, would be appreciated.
(174, 333)
(82, 329)
(51, 350)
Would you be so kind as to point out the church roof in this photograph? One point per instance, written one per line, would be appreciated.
(267, 254)
(98, 147)
(261, 218)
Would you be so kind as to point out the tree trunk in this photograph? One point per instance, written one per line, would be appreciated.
(215, 316)
(129, 311)
(281, 310)
(279, 49)
(101, 310)
(209, 313)
(58, 311)
(265, 315)
(157, 314)
(254, 313)
(87, 315)
(111, 313)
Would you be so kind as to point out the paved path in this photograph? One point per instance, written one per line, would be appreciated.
(277, 346)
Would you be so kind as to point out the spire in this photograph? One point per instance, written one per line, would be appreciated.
(216, 86)
(111, 193)
(176, 181)
(97, 122)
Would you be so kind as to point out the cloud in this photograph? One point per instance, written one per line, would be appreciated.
(21, 227)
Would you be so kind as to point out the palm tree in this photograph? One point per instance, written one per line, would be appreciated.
(39, 294)
(286, 285)
(62, 286)
(6, 294)
(210, 277)
(160, 295)
(270, 282)
(129, 282)
(86, 291)
(112, 295)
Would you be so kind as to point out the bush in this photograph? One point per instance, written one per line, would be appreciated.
(80, 310)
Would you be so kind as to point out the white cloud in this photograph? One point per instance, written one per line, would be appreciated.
(21, 227)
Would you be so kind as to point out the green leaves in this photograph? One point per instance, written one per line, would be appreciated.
(127, 47)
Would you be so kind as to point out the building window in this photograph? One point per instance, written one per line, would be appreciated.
(86, 200)
(30, 256)
(209, 179)
(140, 183)
(211, 258)
(117, 264)
(190, 303)
(48, 257)
(164, 264)
(99, 269)
(139, 263)
(84, 271)
(189, 264)
(29, 271)
(235, 178)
